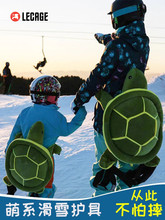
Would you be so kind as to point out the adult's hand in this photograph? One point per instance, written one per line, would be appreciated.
(74, 108)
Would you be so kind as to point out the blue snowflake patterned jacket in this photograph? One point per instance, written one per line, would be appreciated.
(129, 49)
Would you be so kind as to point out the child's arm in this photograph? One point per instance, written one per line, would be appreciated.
(15, 131)
(68, 128)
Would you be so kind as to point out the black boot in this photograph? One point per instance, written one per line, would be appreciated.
(34, 195)
(11, 190)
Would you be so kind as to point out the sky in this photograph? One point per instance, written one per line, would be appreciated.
(69, 43)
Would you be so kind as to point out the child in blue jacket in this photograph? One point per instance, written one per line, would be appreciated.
(45, 91)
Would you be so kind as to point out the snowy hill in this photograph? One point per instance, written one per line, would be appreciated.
(73, 166)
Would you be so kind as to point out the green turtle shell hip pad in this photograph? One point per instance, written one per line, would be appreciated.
(29, 165)
(132, 126)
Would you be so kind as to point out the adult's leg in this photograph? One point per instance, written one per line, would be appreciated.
(6, 85)
(100, 148)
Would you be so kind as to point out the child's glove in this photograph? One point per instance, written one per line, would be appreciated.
(103, 38)
(99, 37)
(74, 108)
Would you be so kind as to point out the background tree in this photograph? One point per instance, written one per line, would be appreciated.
(20, 85)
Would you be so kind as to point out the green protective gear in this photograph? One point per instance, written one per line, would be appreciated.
(29, 164)
(132, 123)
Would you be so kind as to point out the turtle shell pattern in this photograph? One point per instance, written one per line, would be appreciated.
(132, 126)
(29, 165)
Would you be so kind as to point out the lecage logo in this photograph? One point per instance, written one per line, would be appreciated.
(29, 16)
(15, 16)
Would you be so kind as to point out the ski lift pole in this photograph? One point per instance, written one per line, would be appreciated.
(41, 63)
(43, 46)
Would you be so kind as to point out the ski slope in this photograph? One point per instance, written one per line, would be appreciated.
(73, 167)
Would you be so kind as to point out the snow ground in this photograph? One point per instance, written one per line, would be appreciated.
(73, 166)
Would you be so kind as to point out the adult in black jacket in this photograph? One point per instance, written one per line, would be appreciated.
(7, 78)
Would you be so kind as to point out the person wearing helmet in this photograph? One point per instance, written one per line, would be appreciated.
(125, 49)
(45, 92)
(7, 77)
